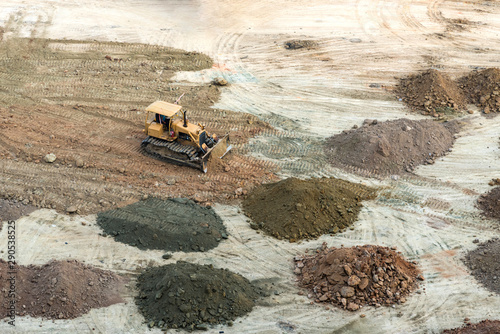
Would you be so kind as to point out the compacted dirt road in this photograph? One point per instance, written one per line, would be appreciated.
(75, 77)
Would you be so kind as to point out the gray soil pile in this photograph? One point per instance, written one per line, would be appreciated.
(185, 295)
(176, 224)
(357, 276)
(296, 209)
(489, 203)
(391, 147)
(12, 210)
(59, 289)
(484, 264)
(483, 89)
(299, 44)
(431, 92)
(483, 327)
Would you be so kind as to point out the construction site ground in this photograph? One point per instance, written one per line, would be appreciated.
(76, 76)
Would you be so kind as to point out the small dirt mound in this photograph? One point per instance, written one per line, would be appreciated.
(185, 295)
(431, 92)
(357, 276)
(483, 89)
(299, 44)
(177, 224)
(59, 289)
(484, 327)
(489, 203)
(10, 210)
(391, 147)
(296, 209)
(484, 265)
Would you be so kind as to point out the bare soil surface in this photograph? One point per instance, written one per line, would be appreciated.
(10, 210)
(353, 277)
(58, 289)
(296, 209)
(177, 224)
(84, 102)
(391, 147)
(483, 327)
(484, 265)
(186, 295)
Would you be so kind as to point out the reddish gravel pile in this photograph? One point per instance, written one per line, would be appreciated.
(391, 147)
(357, 276)
(431, 91)
(484, 327)
(483, 89)
(59, 289)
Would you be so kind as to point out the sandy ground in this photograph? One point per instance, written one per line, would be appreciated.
(308, 95)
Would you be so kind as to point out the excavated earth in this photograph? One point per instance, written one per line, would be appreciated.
(353, 277)
(58, 289)
(12, 210)
(391, 147)
(431, 92)
(484, 265)
(483, 327)
(483, 89)
(295, 209)
(84, 102)
(176, 224)
(489, 203)
(191, 296)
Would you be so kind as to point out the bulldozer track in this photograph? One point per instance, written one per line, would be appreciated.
(190, 153)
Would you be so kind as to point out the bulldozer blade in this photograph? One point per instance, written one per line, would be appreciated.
(227, 150)
(220, 149)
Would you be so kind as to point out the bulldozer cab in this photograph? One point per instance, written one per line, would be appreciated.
(159, 120)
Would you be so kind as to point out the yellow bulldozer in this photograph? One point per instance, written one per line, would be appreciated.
(171, 137)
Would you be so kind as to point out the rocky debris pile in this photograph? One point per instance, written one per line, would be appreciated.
(59, 289)
(296, 209)
(391, 147)
(176, 224)
(190, 296)
(299, 44)
(12, 210)
(484, 265)
(483, 89)
(357, 276)
(431, 92)
(483, 327)
(489, 203)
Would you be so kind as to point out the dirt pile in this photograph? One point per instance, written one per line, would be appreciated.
(489, 203)
(59, 289)
(357, 276)
(296, 209)
(431, 92)
(483, 327)
(483, 89)
(300, 43)
(10, 210)
(177, 224)
(484, 265)
(391, 147)
(185, 295)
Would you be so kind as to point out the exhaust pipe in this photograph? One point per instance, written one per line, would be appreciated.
(185, 120)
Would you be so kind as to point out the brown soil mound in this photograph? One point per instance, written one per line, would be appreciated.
(177, 224)
(483, 89)
(59, 289)
(431, 92)
(484, 327)
(357, 276)
(295, 209)
(484, 265)
(186, 295)
(489, 203)
(391, 147)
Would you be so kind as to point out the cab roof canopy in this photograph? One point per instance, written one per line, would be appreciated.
(164, 108)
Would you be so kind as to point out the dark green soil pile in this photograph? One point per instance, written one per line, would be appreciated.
(300, 43)
(483, 89)
(186, 295)
(177, 224)
(431, 91)
(296, 209)
(484, 264)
